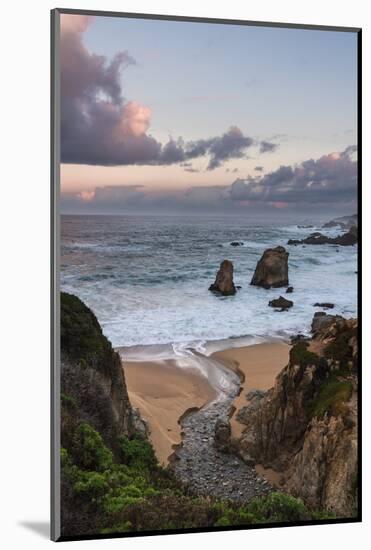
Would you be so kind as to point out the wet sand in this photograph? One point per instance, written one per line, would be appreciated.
(258, 365)
(163, 392)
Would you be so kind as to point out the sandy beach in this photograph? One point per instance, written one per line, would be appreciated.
(163, 392)
(259, 365)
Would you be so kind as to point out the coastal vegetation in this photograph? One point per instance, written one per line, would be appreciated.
(111, 480)
(133, 493)
(331, 398)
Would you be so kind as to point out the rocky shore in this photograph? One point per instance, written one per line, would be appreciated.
(305, 426)
(349, 238)
(205, 469)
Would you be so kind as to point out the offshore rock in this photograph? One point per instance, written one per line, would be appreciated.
(224, 280)
(281, 303)
(272, 269)
(347, 239)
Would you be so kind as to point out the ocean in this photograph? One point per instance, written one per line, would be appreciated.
(146, 278)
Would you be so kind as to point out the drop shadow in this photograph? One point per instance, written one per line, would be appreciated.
(41, 528)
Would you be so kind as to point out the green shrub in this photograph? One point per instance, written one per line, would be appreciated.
(331, 398)
(137, 452)
(137, 494)
(65, 459)
(224, 521)
(91, 486)
(121, 528)
(340, 350)
(131, 494)
(299, 355)
(82, 339)
(68, 401)
(89, 450)
(322, 515)
(278, 507)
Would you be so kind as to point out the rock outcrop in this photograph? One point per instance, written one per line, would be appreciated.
(305, 427)
(325, 305)
(224, 280)
(281, 303)
(347, 239)
(345, 222)
(92, 376)
(272, 269)
(322, 320)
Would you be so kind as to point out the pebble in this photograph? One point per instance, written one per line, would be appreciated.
(206, 470)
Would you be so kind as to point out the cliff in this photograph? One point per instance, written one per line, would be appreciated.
(93, 387)
(111, 481)
(306, 426)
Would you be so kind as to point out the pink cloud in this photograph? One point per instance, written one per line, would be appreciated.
(135, 119)
(74, 23)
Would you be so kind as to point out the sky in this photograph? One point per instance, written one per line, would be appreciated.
(172, 117)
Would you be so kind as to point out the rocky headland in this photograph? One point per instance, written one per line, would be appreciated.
(344, 222)
(305, 428)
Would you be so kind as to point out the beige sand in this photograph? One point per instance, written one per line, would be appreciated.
(274, 478)
(259, 365)
(163, 392)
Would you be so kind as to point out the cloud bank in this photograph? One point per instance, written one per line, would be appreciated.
(327, 183)
(331, 178)
(100, 127)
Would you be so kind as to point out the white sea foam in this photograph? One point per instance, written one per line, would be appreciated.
(153, 289)
(191, 356)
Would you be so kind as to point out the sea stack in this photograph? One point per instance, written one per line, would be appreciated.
(224, 280)
(272, 269)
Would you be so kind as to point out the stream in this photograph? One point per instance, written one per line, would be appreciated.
(206, 470)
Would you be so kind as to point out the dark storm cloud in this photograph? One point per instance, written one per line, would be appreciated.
(100, 127)
(268, 147)
(330, 179)
(97, 125)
